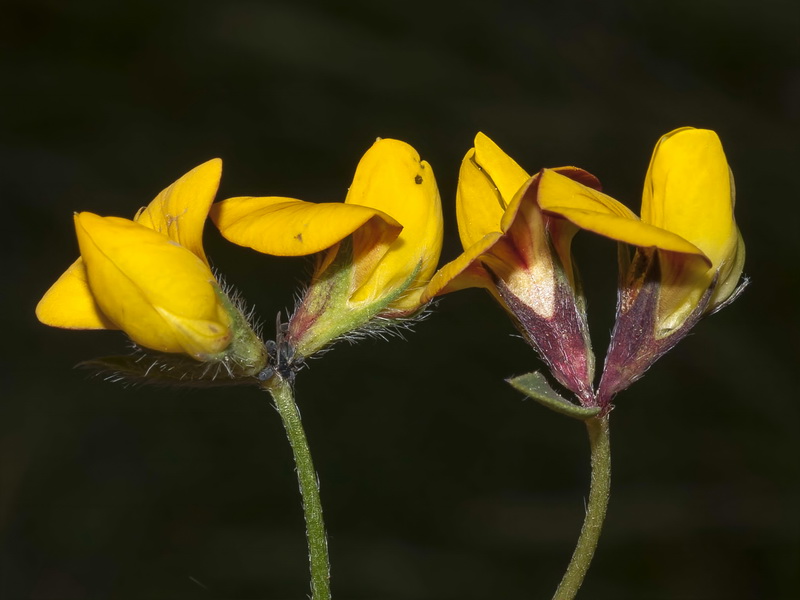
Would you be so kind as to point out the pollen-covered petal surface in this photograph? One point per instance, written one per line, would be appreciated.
(688, 191)
(594, 211)
(180, 210)
(391, 178)
(288, 227)
(69, 302)
(161, 294)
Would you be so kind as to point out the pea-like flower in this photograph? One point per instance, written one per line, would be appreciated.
(523, 257)
(375, 252)
(689, 256)
(150, 278)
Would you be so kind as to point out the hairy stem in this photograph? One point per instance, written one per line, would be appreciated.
(595, 511)
(283, 395)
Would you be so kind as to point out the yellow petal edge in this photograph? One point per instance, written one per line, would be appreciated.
(69, 302)
(289, 227)
(487, 183)
(393, 179)
(161, 294)
(180, 210)
(601, 214)
(689, 191)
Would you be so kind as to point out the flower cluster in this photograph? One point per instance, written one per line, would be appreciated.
(150, 277)
(517, 230)
(377, 252)
(376, 255)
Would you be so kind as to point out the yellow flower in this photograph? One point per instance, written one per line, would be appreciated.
(158, 292)
(523, 258)
(149, 276)
(381, 245)
(690, 252)
(687, 215)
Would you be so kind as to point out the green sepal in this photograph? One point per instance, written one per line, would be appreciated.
(326, 314)
(535, 386)
(246, 355)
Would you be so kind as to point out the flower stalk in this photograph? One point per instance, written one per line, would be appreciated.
(282, 394)
(599, 442)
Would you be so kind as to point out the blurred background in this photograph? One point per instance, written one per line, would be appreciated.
(438, 480)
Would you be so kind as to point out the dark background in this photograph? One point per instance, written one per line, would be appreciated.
(439, 481)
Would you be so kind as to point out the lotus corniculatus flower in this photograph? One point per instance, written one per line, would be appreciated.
(522, 256)
(375, 252)
(150, 278)
(689, 252)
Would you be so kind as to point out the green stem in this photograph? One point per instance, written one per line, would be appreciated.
(595, 511)
(282, 393)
